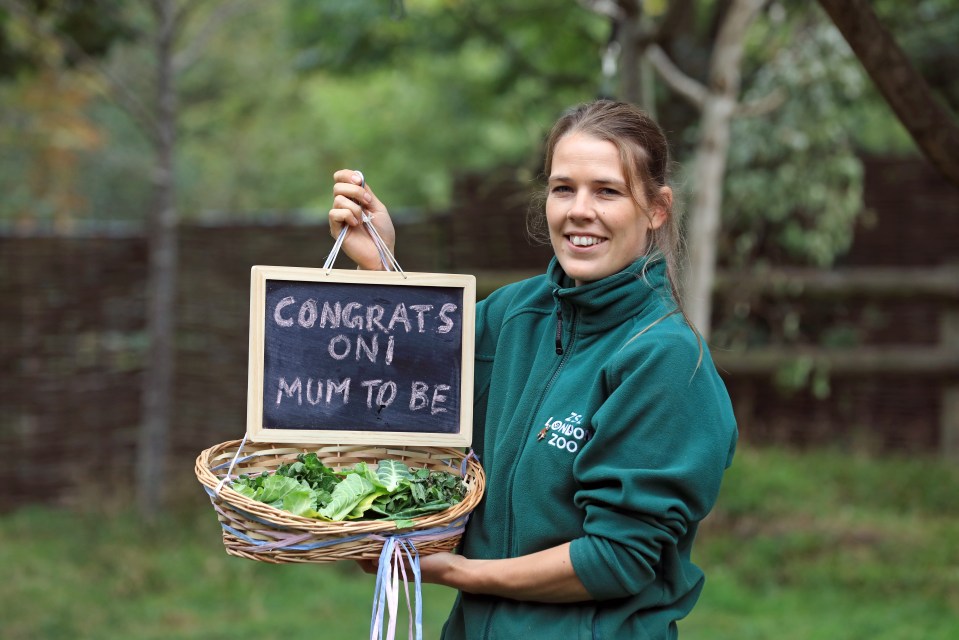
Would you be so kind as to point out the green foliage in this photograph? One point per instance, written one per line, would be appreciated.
(830, 545)
(278, 96)
(309, 488)
(461, 87)
(794, 185)
(89, 28)
(351, 36)
(108, 576)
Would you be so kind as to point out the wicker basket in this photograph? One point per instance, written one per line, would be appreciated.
(257, 531)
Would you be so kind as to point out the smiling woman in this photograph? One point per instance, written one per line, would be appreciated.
(597, 225)
(608, 171)
(599, 417)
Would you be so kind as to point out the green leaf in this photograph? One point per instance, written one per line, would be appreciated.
(392, 473)
(364, 505)
(244, 485)
(419, 492)
(405, 524)
(275, 488)
(301, 501)
(346, 496)
(421, 510)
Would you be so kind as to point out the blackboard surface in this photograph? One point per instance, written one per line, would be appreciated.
(349, 356)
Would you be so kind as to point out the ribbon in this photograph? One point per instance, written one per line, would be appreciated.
(396, 555)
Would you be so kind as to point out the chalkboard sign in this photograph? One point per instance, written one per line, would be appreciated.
(364, 357)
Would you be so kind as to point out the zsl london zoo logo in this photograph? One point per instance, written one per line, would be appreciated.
(566, 434)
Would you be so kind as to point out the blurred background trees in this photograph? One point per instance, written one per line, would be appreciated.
(117, 114)
(281, 93)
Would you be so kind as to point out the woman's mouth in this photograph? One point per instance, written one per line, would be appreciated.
(584, 241)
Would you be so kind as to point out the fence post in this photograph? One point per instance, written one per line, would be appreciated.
(949, 399)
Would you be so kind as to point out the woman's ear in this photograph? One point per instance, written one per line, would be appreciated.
(660, 211)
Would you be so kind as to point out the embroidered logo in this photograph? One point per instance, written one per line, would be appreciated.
(568, 434)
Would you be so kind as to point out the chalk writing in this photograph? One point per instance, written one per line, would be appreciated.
(371, 357)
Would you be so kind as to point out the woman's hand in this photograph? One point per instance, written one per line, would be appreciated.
(545, 576)
(433, 567)
(350, 198)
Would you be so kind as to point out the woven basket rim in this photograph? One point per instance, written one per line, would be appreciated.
(228, 498)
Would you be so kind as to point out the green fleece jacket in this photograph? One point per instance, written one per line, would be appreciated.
(599, 421)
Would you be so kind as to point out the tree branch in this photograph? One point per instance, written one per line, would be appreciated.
(694, 91)
(933, 128)
(761, 106)
(724, 76)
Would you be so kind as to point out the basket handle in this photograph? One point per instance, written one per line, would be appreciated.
(229, 471)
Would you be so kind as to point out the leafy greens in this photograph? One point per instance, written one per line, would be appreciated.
(390, 491)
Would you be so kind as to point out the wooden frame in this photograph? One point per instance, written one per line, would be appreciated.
(258, 431)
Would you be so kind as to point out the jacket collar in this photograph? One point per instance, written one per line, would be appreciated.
(605, 303)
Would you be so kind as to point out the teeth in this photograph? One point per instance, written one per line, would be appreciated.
(585, 241)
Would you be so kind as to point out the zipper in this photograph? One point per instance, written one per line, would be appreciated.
(565, 353)
(559, 329)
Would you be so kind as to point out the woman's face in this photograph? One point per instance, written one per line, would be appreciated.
(595, 226)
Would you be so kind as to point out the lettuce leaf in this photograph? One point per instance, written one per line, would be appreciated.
(390, 490)
(392, 473)
(360, 510)
(346, 496)
(300, 502)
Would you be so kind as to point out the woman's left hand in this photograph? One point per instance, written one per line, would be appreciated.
(545, 576)
(433, 567)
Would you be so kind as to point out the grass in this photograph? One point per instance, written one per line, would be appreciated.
(90, 576)
(801, 546)
(831, 546)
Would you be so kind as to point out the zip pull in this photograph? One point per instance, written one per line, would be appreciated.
(559, 330)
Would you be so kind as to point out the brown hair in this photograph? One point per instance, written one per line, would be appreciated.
(644, 153)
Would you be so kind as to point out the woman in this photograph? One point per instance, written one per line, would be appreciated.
(600, 420)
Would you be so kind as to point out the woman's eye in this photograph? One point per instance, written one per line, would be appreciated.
(560, 188)
(609, 193)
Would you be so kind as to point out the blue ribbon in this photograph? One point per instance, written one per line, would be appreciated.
(381, 594)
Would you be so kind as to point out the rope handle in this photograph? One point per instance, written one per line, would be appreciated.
(229, 471)
(387, 258)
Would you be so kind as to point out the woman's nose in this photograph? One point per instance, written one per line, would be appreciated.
(582, 208)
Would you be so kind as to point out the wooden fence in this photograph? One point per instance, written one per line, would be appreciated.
(936, 362)
(858, 356)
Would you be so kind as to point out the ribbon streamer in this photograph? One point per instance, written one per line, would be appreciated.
(397, 554)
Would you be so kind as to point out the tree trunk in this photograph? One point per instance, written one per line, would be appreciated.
(719, 105)
(934, 129)
(706, 209)
(630, 88)
(154, 435)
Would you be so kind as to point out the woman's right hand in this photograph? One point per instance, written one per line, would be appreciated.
(350, 198)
